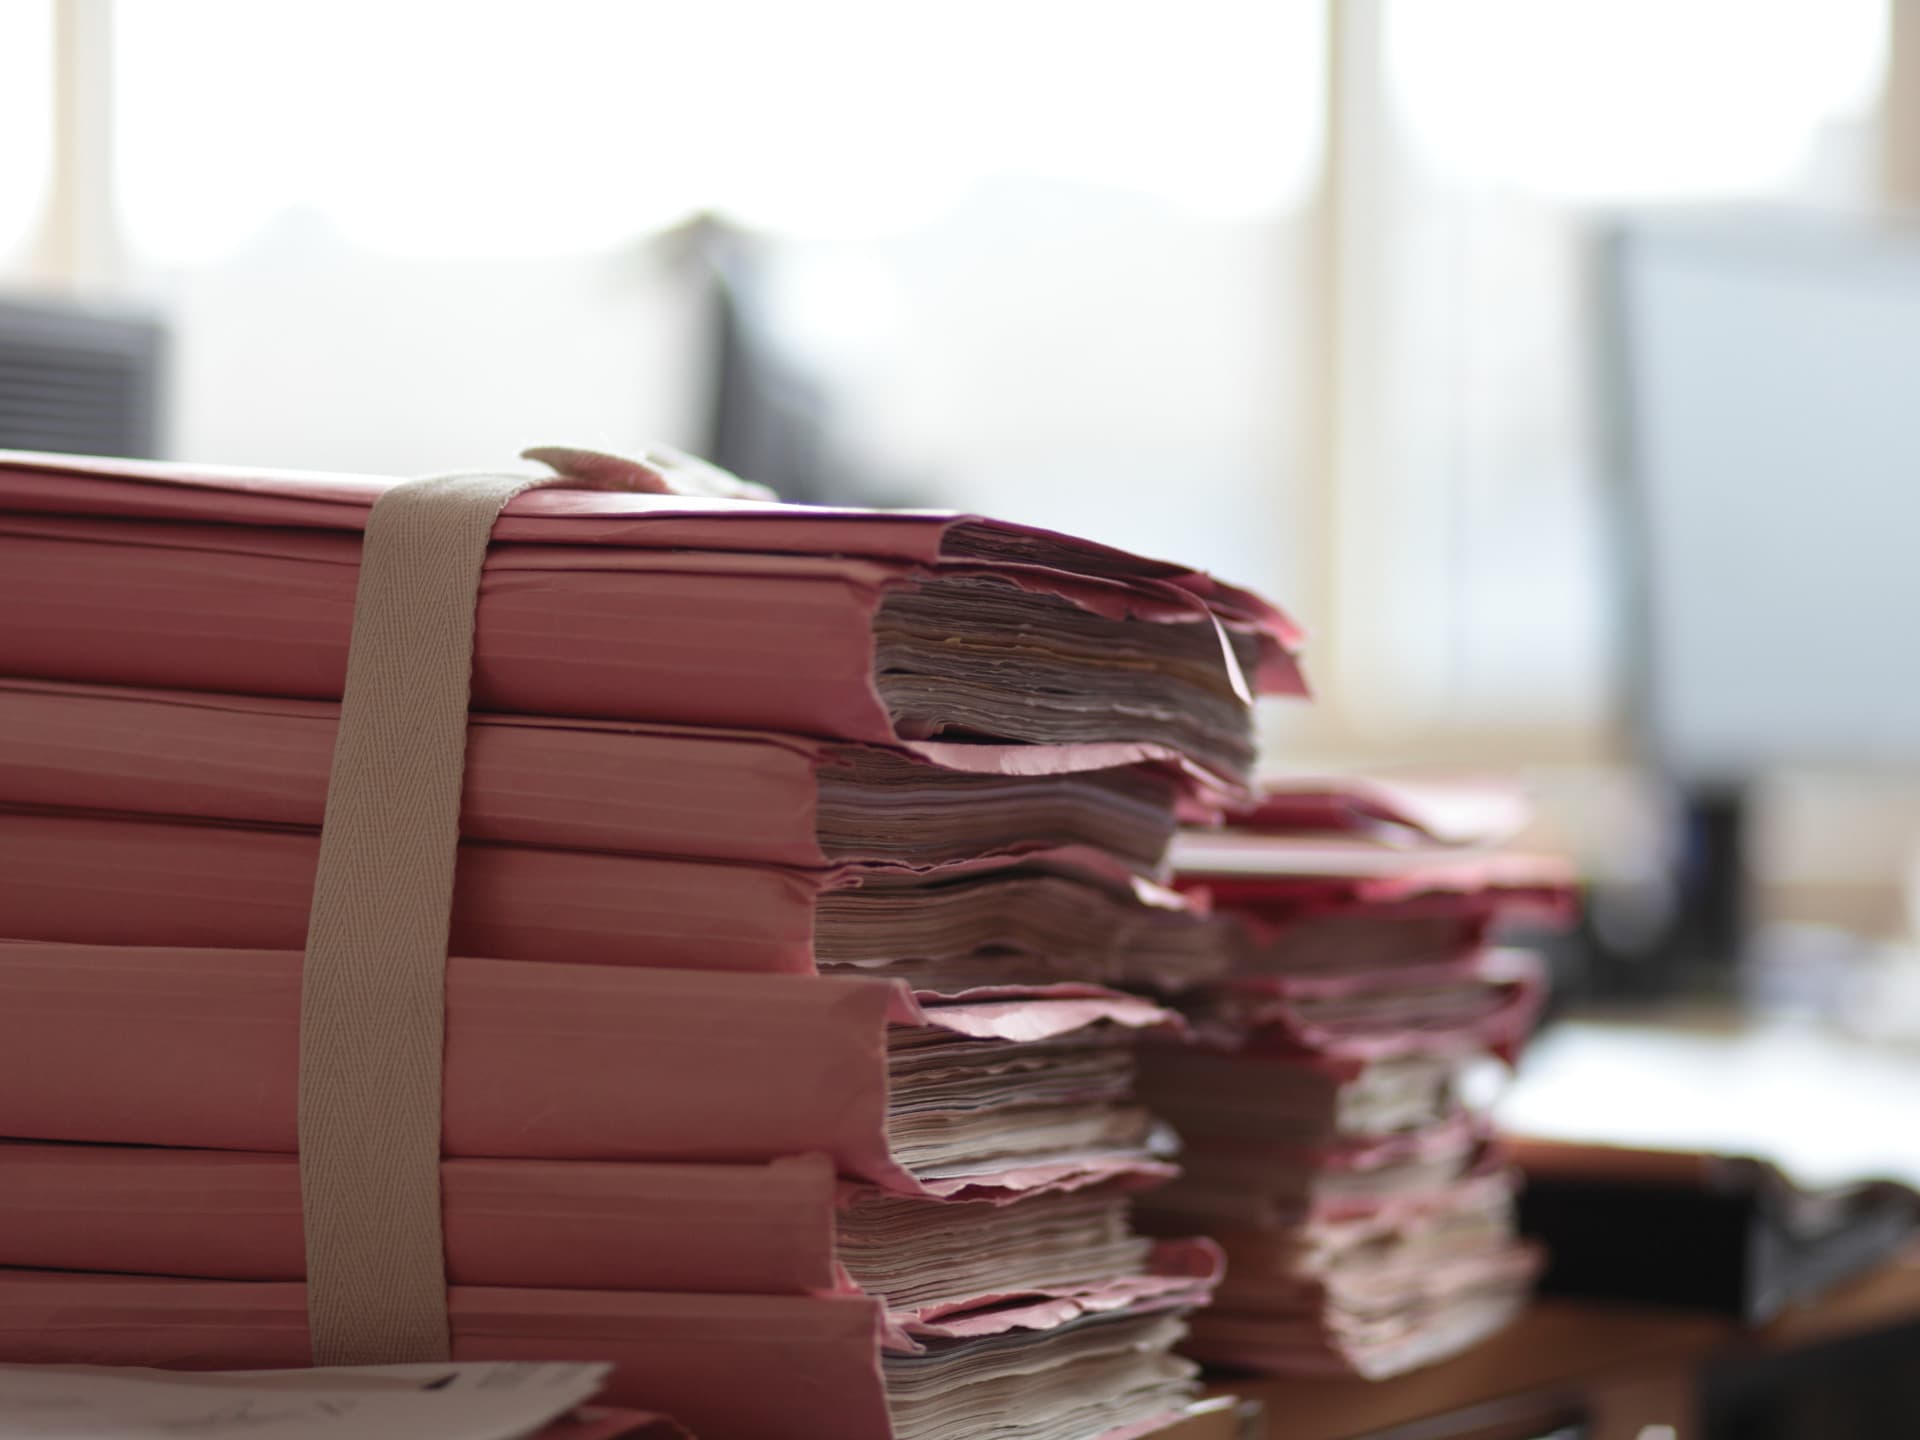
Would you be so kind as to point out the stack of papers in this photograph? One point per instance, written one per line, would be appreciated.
(871, 626)
(1330, 1145)
(625, 788)
(798, 850)
(998, 919)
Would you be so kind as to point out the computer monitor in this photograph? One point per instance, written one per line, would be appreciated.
(79, 379)
(1761, 396)
(1765, 407)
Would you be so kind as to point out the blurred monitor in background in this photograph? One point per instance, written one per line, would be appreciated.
(80, 381)
(767, 415)
(1761, 396)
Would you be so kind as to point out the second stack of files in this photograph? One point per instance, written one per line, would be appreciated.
(1333, 1142)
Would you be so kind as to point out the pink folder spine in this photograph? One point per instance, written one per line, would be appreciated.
(198, 1048)
(568, 785)
(756, 1367)
(569, 1225)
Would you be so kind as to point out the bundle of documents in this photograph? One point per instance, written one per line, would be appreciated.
(796, 851)
(889, 627)
(1074, 914)
(1329, 1143)
(619, 787)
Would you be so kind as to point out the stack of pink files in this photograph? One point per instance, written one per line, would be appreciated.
(799, 850)
(1331, 1148)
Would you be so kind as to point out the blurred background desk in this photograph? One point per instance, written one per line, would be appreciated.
(1826, 1107)
(1827, 1104)
(1605, 1372)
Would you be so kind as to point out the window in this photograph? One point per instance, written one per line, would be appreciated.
(1043, 252)
(459, 127)
(26, 125)
(1473, 577)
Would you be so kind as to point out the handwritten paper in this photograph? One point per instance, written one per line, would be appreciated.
(491, 1401)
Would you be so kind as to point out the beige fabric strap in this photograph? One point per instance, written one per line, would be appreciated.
(372, 1013)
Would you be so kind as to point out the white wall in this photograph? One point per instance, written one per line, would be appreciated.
(1055, 354)
(304, 352)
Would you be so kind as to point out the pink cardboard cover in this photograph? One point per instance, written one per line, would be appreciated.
(1256, 868)
(69, 485)
(575, 784)
(198, 1048)
(1180, 1276)
(1266, 1015)
(783, 644)
(747, 1366)
(1414, 808)
(1489, 1171)
(584, 622)
(562, 1225)
(753, 1366)
(565, 1225)
(568, 783)
(1461, 1303)
(1272, 886)
(1458, 1136)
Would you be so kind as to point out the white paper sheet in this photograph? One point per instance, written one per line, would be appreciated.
(492, 1401)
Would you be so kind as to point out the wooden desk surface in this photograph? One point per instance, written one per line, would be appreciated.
(1566, 1346)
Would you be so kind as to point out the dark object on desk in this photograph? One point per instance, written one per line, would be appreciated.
(1737, 457)
(80, 381)
(1862, 1387)
(1733, 1236)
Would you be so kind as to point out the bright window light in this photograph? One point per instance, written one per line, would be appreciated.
(1630, 99)
(488, 129)
(26, 120)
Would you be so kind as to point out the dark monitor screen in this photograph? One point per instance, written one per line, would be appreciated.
(79, 381)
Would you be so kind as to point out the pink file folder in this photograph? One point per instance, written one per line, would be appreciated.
(746, 1366)
(1279, 877)
(69, 485)
(1413, 809)
(1452, 1307)
(572, 784)
(601, 605)
(1252, 1184)
(199, 1048)
(578, 1225)
(1488, 1165)
(564, 1225)
(1484, 1000)
(1289, 911)
(778, 1367)
(125, 880)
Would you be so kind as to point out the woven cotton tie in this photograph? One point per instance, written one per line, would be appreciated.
(372, 1001)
